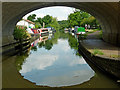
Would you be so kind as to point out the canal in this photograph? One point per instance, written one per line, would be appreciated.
(53, 61)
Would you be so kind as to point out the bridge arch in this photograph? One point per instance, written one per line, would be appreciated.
(105, 12)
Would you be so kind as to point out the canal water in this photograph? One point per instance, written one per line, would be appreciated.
(56, 65)
(53, 60)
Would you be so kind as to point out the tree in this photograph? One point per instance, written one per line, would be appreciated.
(73, 19)
(21, 33)
(76, 18)
(84, 15)
(39, 20)
(80, 18)
(47, 20)
(31, 17)
(63, 24)
(84, 21)
(90, 20)
(54, 23)
(37, 25)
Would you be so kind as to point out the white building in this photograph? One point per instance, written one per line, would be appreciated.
(29, 24)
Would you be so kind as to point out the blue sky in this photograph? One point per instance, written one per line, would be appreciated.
(61, 12)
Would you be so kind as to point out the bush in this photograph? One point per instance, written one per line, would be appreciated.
(21, 33)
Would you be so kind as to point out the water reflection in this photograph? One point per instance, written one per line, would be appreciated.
(40, 63)
(55, 62)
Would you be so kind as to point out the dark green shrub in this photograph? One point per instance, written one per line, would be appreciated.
(21, 33)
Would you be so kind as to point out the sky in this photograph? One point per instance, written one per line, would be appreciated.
(61, 12)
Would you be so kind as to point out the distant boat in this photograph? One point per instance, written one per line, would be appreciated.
(66, 30)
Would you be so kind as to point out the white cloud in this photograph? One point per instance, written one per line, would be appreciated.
(78, 61)
(39, 63)
(65, 48)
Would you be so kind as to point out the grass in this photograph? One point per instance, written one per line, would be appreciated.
(97, 52)
(91, 31)
(115, 56)
(88, 32)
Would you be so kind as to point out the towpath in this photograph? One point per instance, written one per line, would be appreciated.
(94, 42)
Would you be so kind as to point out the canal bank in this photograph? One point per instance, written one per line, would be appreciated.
(12, 49)
(105, 56)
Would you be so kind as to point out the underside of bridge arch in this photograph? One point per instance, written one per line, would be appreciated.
(105, 12)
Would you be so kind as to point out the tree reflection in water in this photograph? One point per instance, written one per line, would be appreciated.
(20, 59)
(47, 43)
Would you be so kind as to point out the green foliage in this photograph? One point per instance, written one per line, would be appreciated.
(63, 24)
(80, 18)
(31, 17)
(39, 20)
(48, 45)
(73, 42)
(20, 60)
(54, 23)
(20, 33)
(56, 36)
(47, 20)
(84, 14)
(34, 48)
(41, 44)
(84, 21)
(37, 25)
(90, 20)
(91, 31)
(97, 51)
(115, 56)
(64, 35)
(75, 18)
